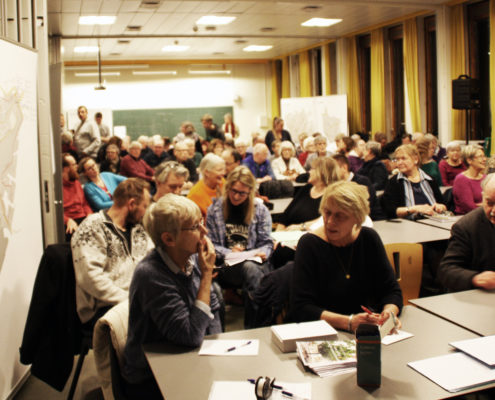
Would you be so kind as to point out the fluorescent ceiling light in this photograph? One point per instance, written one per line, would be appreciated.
(174, 48)
(86, 49)
(114, 66)
(81, 74)
(255, 47)
(321, 22)
(209, 72)
(214, 20)
(97, 19)
(154, 72)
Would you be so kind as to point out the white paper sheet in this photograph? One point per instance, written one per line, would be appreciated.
(239, 390)
(482, 348)
(243, 347)
(236, 257)
(396, 337)
(455, 371)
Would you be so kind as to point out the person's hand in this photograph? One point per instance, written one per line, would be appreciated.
(206, 253)
(439, 208)
(71, 226)
(484, 280)
(262, 255)
(386, 314)
(425, 209)
(364, 318)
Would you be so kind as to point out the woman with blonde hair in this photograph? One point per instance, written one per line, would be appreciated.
(342, 266)
(237, 222)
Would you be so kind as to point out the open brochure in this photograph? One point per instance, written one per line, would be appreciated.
(329, 357)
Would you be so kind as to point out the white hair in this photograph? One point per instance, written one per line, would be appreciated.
(260, 148)
(210, 161)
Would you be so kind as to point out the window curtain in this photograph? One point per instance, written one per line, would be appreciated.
(458, 66)
(411, 71)
(275, 89)
(378, 115)
(327, 72)
(492, 71)
(285, 78)
(353, 93)
(305, 74)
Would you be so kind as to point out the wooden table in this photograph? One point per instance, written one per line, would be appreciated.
(472, 309)
(405, 231)
(182, 374)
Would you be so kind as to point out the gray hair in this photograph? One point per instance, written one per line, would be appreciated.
(320, 139)
(169, 214)
(157, 141)
(308, 142)
(163, 171)
(453, 145)
(375, 148)
(210, 161)
(135, 144)
(260, 148)
(486, 181)
(241, 142)
(287, 145)
(188, 142)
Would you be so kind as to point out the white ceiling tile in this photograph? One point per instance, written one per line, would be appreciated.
(90, 7)
(54, 6)
(71, 6)
(108, 7)
(129, 6)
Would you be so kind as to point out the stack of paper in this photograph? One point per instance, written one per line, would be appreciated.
(482, 348)
(285, 336)
(288, 238)
(327, 358)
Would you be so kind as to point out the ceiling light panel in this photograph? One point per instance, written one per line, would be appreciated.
(257, 48)
(215, 20)
(321, 22)
(97, 19)
(85, 74)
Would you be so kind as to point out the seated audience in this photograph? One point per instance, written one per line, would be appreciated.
(336, 145)
(275, 150)
(229, 127)
(182, 155)
(111, 163)
(349, 151)
(373, 168)
(76, 207)
(411, 192)
(238, 222)
(321, 151)
(212, 170)
(439, 152)
(286, 166)
(188, 131)
(259, 164)
(469, 260)
(428, 164)
(467, 185)
(146, 143)
(68, 144)
(342, 266)
(100, 187)
(106, 248)
(193, 154)
(171, 298)
(451, 166)
(241, 146)
(309, 148)
(216, 147)
(103, 149)
(133, 166)
(170, 177)
(232, 160)
(278, 132)
(158, 154)
(300, 144)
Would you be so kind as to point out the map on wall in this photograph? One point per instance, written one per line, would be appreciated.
(324, 114)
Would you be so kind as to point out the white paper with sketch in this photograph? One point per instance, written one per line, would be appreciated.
(482, 348)
(455, 371)
(396, 337)
(222, 347)
(243, 390)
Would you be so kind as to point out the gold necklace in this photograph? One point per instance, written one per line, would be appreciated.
(347, 272)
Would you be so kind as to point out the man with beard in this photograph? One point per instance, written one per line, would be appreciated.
(76, 208)
(105, 249)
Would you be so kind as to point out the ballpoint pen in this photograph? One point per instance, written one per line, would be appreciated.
(236, 347)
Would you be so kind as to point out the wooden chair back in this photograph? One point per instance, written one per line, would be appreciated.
(407, 261)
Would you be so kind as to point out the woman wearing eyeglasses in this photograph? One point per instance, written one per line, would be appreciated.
(467, 185)
(237, 222)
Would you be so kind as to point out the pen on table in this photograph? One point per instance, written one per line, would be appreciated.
(236, 347)
(285, 393)
(367, 310)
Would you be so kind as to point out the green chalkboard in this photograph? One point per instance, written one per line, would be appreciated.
(166, 121)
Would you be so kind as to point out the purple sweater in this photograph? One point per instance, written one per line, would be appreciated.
(449, 172)
(467, 193)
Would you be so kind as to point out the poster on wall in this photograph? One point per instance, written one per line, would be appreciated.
(21, 236)
(324, 114)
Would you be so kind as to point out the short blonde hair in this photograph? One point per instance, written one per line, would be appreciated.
(410, 149)
(348, 196)
(469, 152)
(169, 214)
(286, 145)
(326, 169)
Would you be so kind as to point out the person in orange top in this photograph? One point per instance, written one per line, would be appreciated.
(212, 168)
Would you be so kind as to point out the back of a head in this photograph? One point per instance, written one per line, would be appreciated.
(210, 161)
(423, 145)
(131, 188)
(326, 169)
(163, 170)
(349, 143)
(375, 148)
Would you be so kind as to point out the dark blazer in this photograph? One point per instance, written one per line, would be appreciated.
(376, 171)
(52, 334)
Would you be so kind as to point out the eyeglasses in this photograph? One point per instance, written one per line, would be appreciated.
(239, 193)
(195, 227)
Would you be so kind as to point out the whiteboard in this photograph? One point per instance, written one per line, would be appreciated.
(324, 114)
(21, 236)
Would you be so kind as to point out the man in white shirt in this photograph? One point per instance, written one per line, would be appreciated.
(86, 135)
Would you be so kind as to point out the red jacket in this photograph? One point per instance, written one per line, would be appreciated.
(75, 204)
(131, 167)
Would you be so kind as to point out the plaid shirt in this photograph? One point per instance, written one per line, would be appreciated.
(259, 231)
